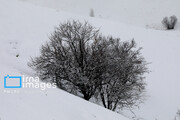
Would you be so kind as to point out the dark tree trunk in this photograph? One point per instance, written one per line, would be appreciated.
(87, 97)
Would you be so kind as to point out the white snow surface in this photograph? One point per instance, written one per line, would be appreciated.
(25, 27)
(135, 12)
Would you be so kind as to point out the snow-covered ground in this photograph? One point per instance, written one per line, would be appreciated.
(24, 27)
(135, 12)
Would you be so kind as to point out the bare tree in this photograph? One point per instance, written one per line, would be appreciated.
(124, 85)
(71, 59)
(82, 61)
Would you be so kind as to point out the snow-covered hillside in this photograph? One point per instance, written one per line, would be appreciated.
(24, 27)
(135, 12)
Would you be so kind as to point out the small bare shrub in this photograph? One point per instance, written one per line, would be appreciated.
(169, 23)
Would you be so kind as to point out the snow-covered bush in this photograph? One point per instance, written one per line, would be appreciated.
(169, 23)
(78, 58)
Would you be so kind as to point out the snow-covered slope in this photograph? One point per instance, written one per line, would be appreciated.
(50, 105)
(136, 12)
(24, 27)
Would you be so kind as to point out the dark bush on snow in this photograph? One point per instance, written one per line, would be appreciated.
(169, 23)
